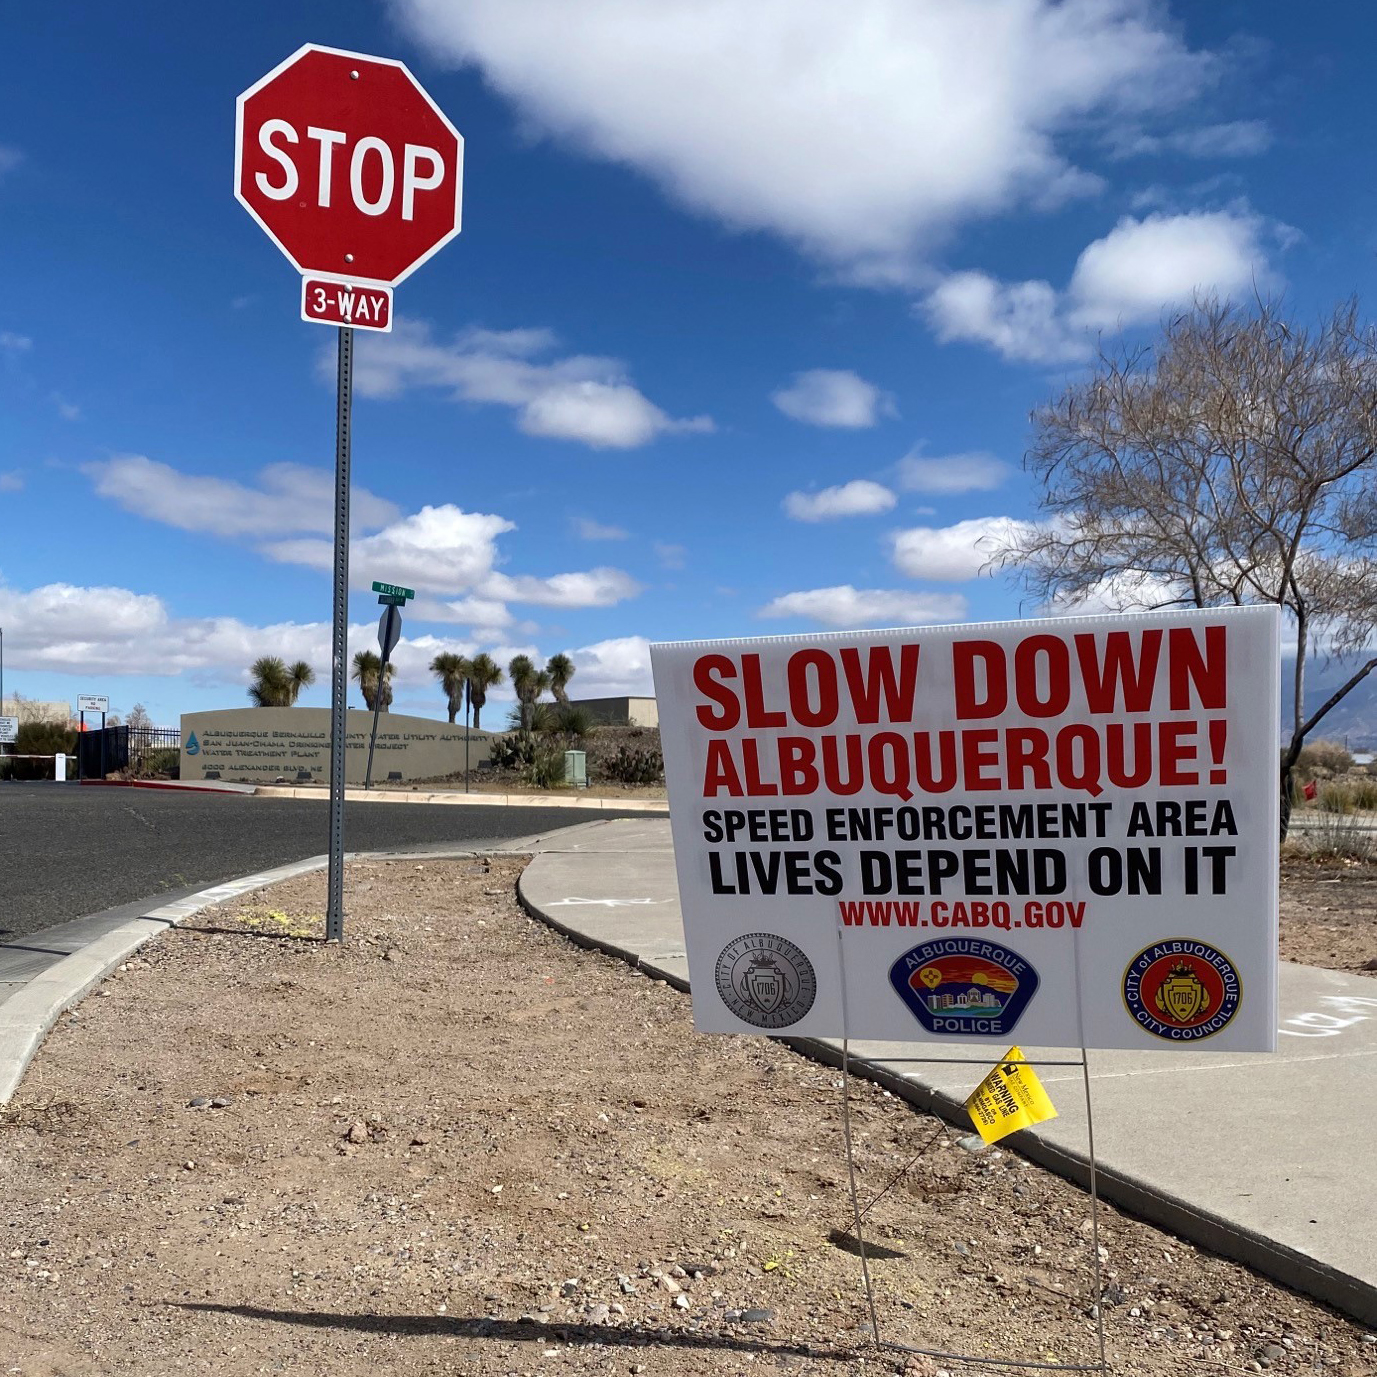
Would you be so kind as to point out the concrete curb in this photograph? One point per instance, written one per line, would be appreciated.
(1227, 1238)
(191, 787)
(630, 805)
(26, 1016)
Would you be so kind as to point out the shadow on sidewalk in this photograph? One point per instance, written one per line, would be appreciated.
(521, 1331)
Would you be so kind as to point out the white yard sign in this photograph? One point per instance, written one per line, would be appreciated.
(1059, 832)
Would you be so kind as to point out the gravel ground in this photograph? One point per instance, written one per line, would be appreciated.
(460, 1143)
(1329, 913)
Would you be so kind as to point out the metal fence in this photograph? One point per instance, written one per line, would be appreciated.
(154, 750)
(139, 750)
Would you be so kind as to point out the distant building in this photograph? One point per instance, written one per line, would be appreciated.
(32, 710)
(620, 712)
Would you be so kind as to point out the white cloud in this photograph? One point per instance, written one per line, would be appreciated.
(1141, 266)
(1125, 592)
(69, 411)
(1236, 139)
(578, 397)
(290, 498)
(952, 553)
(587, 529)
(610, 668)
(486, 613)
(10, 158)
(87, 630)
(670, 556)
(13, 343)
(860, 497)
(1017, 319)
(83, 631)
(864, 132)
(832, 397)
(856, 607)
(12, 481)
(445, 550)
(1126, 278)
(948, 474)
(593, 588)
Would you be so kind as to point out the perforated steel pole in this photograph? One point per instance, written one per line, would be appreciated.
(339, 645)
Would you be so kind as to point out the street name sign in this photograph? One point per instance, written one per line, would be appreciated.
(393, 590)
(348, 165)
(1058, 833)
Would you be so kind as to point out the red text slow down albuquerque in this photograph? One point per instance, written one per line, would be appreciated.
(765, 743)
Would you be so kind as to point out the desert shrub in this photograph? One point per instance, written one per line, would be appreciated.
(562, 719)
(163, 763)
(1338, 835)
(546, 770)
(39, 738)
(634, 765)
(1336, 799)
(1364, 793)
(1323, 760)
(513, 751)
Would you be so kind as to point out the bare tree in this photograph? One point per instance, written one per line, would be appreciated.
(1230, 462)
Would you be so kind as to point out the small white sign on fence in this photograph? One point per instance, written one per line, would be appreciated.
(9, 729)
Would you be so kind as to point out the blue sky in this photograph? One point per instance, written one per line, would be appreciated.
(741, 335)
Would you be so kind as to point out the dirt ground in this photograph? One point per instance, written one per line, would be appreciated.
(459, 1143)
(1329, 913)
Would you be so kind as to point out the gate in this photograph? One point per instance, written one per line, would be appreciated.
(103, 752)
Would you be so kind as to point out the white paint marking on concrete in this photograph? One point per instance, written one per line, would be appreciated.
(608, 903)
(1327, 1025)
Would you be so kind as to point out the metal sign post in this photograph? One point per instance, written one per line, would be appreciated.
(353, 238)
(339, 644)
(468, 703)
(389, 633)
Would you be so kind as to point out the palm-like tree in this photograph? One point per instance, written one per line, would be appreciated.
(560, 669)
(453, 672)
(483, 674)
(366, 668)
(276, 684)
(529, 683)
(299, 676)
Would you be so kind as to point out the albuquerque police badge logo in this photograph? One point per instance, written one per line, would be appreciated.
(1180, 989)
(964, 986)
(766, 980)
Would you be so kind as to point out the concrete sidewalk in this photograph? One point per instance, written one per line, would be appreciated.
(1263, 1158)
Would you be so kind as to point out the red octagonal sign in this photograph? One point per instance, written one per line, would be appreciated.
(348, 165)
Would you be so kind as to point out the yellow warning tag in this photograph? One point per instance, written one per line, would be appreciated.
(1010, 1098)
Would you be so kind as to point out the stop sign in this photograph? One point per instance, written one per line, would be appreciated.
(348, 165)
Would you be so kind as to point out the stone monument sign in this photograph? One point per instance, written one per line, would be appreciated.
(260, 745)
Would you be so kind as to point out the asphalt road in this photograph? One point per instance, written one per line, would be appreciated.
(67, 851)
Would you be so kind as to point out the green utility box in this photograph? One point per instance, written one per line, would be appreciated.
(576, 769)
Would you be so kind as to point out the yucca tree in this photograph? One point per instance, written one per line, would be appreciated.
(484, 672)
(299, 676)
(453, 672)
(560, 669)
(276, 684)
(268, 685)
(529, 683)
(366, 667)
